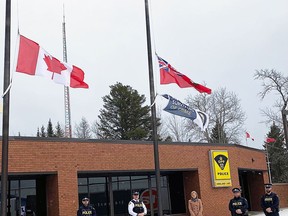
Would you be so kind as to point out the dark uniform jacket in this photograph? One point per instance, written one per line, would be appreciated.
(238, 203)
(30, 212)
(270, 200)
(86, 211)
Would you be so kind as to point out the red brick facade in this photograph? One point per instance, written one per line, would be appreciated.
(66, 158)
(282, 191)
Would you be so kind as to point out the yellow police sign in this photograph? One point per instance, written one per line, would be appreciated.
(220, 168)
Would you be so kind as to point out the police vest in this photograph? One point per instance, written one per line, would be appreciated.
(237, 203)
(269, 200)
(138, 206)
(87, 211)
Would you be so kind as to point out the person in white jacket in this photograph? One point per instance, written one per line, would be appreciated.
(136, 207)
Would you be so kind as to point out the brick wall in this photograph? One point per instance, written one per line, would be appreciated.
(67, 157)
(282, 190)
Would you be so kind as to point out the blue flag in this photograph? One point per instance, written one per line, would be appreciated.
(176, 107)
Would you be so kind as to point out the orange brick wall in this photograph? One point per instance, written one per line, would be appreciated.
(282, 191)
(66, 158)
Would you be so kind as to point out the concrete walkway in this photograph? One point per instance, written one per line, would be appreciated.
(283, 212)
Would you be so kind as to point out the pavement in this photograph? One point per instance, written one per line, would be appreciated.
(283, 212)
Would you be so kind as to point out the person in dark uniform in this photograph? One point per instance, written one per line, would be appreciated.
(29, 212)
(86, 209)
(270, 202)
(136, 207)
(238, 205)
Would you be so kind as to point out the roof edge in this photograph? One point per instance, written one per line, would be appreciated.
(53, 139)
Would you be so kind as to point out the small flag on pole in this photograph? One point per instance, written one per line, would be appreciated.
(35, 61)
(168, 75)
(248, 136)
(270, 140)
(176, 107)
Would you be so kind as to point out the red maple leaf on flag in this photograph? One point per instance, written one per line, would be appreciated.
(53, 64)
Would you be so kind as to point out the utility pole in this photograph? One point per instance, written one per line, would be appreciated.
(68, 129)
(6, 105)
(153, 110)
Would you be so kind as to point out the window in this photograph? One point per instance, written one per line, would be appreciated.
(96, 188)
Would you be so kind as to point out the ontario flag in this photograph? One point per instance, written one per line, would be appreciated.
(168, 75)
(248, 136)
(35, 61)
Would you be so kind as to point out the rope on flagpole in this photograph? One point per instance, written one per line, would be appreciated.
(154, 100)
(7, 90)
(16, 49)
(17, 10)
(154, 46)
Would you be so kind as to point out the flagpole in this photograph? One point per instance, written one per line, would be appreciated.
(153, 110)
(268, 165)
(5, 121)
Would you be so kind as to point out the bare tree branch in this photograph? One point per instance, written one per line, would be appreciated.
(275, 81)
(177, 129)
(82, 130)
(272, 116)
(223, 107)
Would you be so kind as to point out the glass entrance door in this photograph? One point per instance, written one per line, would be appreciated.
(22, 197)
(97, 189)
(26, 196)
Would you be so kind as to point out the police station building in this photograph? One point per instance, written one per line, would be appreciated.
(50, 176)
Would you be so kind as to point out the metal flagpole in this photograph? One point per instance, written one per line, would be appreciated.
(268, 165)
(5, 122)
(153, 110)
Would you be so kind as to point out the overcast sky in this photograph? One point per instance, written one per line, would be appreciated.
(220, 42)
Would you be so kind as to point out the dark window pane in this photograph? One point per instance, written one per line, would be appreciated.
(82, 181)
(98, 180)
(83, 189)
(28, 184)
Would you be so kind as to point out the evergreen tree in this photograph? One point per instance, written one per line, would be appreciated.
(59, 132)
(277, 155)
(83, 130)
(124, 115)
(218, 134)
(42, 132)
(50, 131)
(168, 139)
(38, 132)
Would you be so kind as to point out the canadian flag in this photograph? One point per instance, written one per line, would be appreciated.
(248, 136)
(34, 60)
(270, 140)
